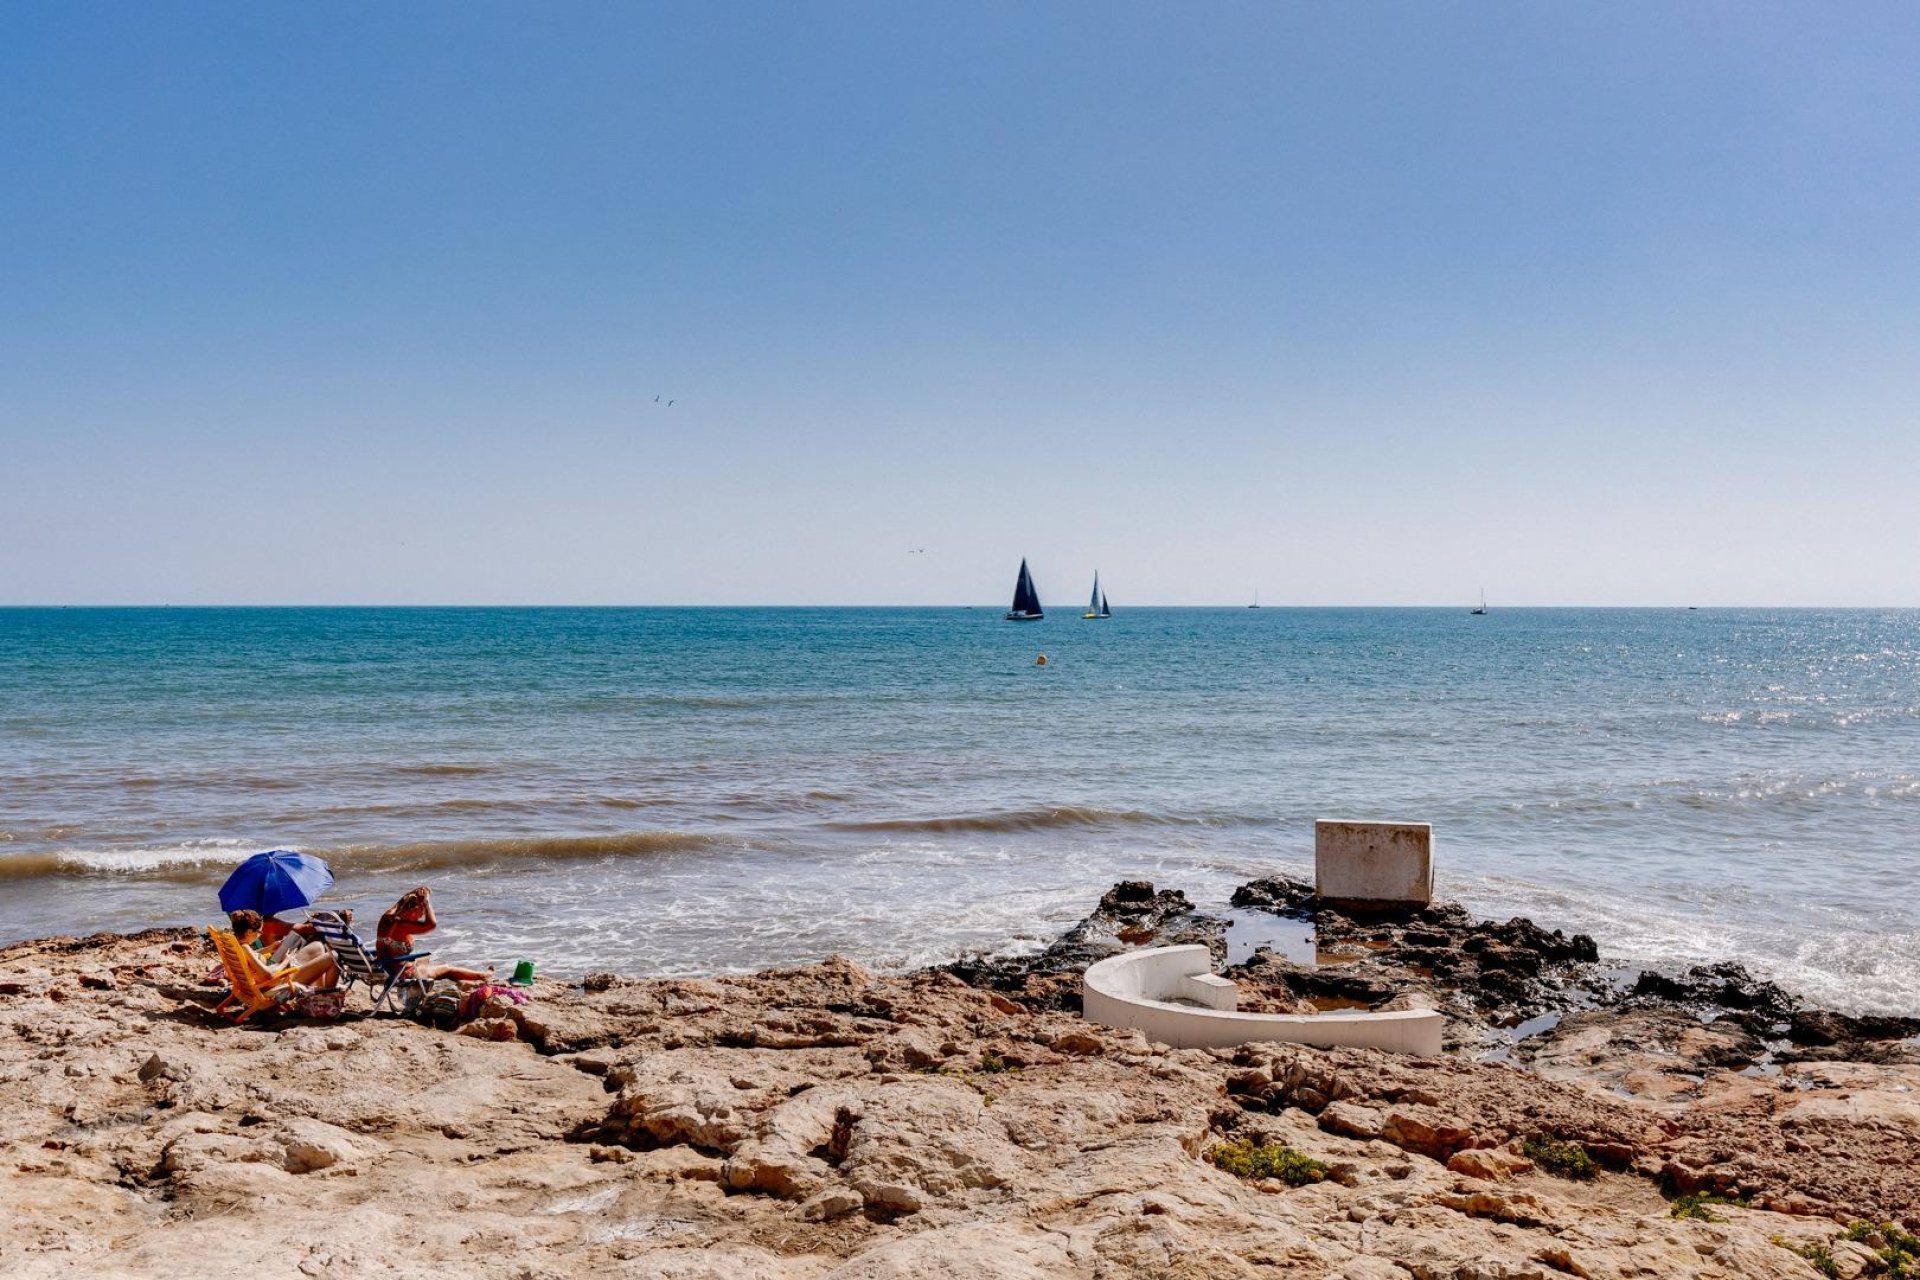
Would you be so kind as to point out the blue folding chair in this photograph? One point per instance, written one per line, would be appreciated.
(357, 964)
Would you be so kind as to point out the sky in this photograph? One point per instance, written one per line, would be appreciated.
(1346, 304)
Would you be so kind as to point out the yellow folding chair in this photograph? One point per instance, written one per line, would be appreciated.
(255, 987)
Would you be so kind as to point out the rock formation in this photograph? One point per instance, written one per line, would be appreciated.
(827, 1122)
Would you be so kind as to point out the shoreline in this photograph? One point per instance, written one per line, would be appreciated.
(824, 1121)
(1689, 790)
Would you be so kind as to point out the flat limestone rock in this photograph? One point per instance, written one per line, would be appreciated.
(827, 1121)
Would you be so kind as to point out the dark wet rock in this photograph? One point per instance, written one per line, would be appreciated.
(1497, 982)
(1725, 986)
(1883, 1053)
(1277, 894)
(1824, 1027)
(1480, 973)
(1523, 937)
(1129, 915)
(1133, 914)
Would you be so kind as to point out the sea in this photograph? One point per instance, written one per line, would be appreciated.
(699, 790)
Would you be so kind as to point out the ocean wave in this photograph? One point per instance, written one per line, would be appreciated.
(163, 861)
(206, 859)
(1038, 819)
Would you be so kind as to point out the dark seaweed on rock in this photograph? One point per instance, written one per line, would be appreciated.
(1486, 976)
(1482, 974)
(1131, 914)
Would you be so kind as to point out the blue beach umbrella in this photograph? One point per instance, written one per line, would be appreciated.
(274, 881)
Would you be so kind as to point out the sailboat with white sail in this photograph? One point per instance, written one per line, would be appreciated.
(1097, 603)
(1481, 612)
(1026, 600)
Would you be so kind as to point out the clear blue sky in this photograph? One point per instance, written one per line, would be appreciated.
(1598, 304)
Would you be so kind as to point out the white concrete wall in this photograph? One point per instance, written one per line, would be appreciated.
(1373, 861)
(1136, 989)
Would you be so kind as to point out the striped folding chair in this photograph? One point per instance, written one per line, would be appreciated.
(357, 964)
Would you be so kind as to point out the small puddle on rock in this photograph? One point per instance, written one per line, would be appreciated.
(1286, 936)
(1289, 937)
(1535, 1026)
(1527, 1030)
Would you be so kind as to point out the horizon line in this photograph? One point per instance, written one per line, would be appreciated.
(1072, 611)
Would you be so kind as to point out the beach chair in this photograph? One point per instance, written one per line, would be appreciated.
(357, 964)
(254, 986)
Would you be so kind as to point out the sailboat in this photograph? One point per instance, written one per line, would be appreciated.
(1097, 603)
(1481, 611)
(1256, 599)
(1026, 600)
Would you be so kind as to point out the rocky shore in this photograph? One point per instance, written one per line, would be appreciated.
(964, 1122)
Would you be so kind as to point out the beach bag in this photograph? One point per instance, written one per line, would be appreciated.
(439, 1006)
(319, 1004)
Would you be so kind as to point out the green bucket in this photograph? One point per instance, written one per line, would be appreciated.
(522, 974)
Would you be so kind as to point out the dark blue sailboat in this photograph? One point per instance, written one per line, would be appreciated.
(1026, 600)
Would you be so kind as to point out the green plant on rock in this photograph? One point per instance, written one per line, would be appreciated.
(993, 1064)
(1695, 1205)
(1821, 1257)
(1898, 1249)
(1564, 1159)
(1244, 1158)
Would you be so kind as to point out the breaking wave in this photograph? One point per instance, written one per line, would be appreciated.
(1038, 819)
(207, 859)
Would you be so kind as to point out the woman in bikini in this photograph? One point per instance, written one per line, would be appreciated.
(406, 920)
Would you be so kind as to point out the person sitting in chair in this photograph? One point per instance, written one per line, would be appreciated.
(308, 972)
(405, 921)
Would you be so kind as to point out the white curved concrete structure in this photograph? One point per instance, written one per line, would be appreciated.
(1173, 995)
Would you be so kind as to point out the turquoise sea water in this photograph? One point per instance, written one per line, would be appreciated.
(695, 790)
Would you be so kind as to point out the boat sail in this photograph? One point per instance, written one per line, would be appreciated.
(1097, 602)
(1026, 600)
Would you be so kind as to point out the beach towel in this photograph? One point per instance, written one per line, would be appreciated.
(495, 993)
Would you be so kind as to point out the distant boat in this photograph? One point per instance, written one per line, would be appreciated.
(1026, 601)
(1097, 602)
(1256, 599)
(1481, 611)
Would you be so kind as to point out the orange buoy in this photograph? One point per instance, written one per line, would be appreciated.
(1040, 661)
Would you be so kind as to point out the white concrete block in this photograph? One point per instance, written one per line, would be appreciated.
(1211, 990)
(1150, 990)
(1373, 861)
